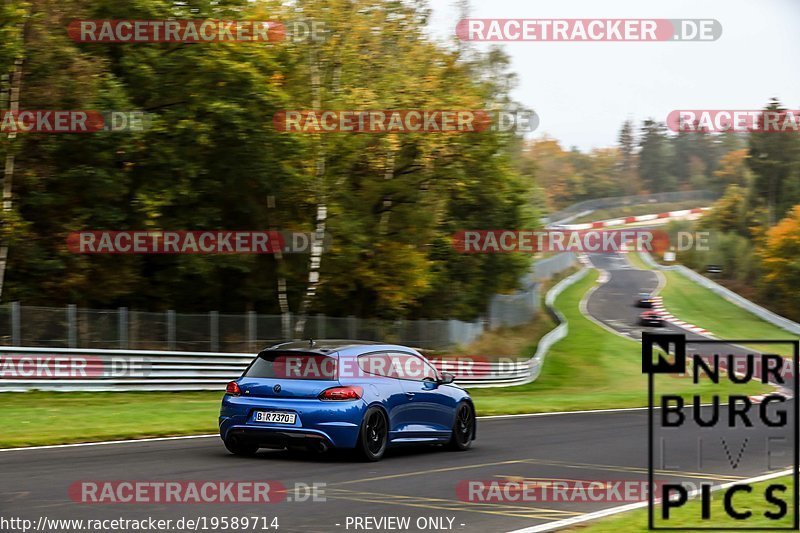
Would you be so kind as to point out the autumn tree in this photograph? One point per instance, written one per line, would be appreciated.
(733, 170)
(780, 259)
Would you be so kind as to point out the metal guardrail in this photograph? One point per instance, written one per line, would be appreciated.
(587, 206)
(149, 370)
(146, 370)
(119, 370)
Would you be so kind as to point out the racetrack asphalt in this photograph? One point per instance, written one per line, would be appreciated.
(413, 482)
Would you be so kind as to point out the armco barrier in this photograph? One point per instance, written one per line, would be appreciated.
(734, 298)
(144, 370)
(681, 214)
(588, 206)
(130, 370)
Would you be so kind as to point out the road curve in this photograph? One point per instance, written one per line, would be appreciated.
(612, 303)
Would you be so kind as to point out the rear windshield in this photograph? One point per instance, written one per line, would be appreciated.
(292, 365)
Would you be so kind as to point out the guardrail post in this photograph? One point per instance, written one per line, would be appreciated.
(72, 337)
(171, 329)
(286, 325)
(251, 330)
(16, 330)
(320, 326)
(213, 323)
(122, 327)
(351, 327)
(453, 336)
(401, 331)
(133, 329)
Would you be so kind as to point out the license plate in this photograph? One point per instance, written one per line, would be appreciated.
(274, 417)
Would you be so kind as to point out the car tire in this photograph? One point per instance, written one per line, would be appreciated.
(374, 435)
(238, 446)
(463, 428)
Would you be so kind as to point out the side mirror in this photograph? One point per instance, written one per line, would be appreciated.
(447, 378)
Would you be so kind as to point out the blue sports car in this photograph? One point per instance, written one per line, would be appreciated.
(343, 394)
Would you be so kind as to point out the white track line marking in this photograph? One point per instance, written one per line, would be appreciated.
(588, 411)
(560, 524)
(105, 442)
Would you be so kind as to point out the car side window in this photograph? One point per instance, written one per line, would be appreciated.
(411, 367)
(376, 364)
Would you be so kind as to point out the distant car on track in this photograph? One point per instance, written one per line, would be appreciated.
(651, 318)
(344, 394)
(644, 299)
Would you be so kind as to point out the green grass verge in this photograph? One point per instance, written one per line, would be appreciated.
(704, 308)
(688, 515)
(36, 418)
(590, 369)
(636, 260)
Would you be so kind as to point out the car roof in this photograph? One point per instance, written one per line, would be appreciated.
(343, 347)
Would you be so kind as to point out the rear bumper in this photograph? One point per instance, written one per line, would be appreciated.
(318, 424)
(343, 435)
(281, 438)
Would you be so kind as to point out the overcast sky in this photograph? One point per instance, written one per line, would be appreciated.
(584, 91)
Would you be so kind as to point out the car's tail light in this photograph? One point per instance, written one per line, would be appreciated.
(233, 388)
(342, 394)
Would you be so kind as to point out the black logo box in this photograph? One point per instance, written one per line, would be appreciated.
(663, 366)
